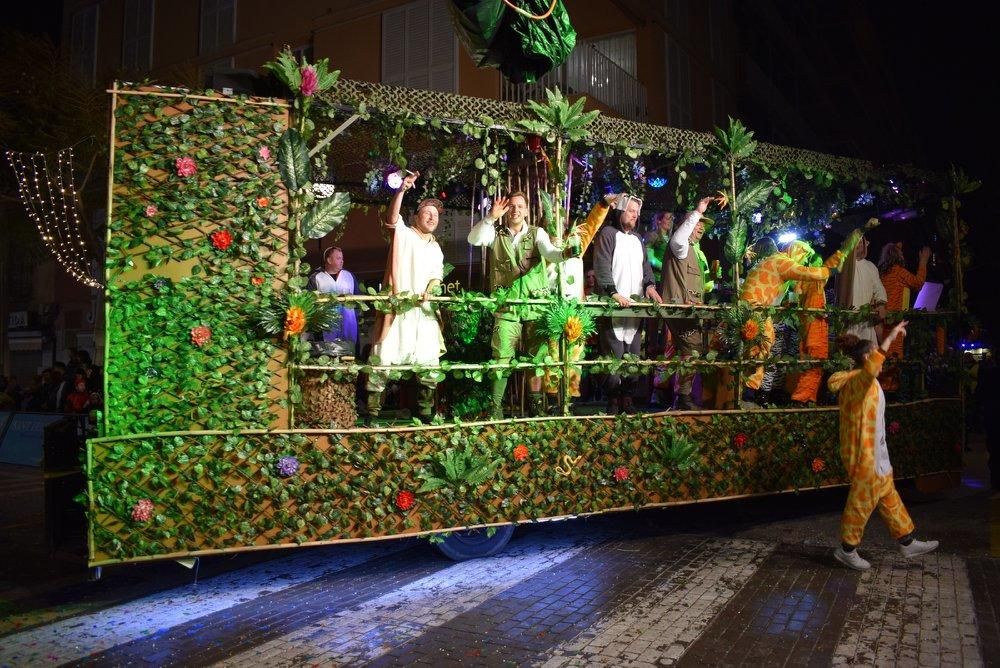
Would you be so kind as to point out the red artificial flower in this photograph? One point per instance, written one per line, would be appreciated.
(521, 453)
(740, 441)
(263, 202)
(621, 473)
(257, 280)
(185, 166)
(405, 499)
(534, 143)
(310, 82)
(151, 211)
(894, 427)
(142, 511)
(818, 465)
(221, 239)
(200, 335)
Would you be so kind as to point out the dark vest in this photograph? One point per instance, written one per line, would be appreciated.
(683, 281)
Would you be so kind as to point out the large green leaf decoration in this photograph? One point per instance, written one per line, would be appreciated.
(736, 241)
(293, 160)
(325, 215)
(548, 219)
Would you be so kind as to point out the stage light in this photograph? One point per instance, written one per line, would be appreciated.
(787, 238)
(657, 181)
(395, 179)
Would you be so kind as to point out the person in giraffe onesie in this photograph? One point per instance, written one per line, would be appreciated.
(865, 454)
(572, 288)
(766, 283)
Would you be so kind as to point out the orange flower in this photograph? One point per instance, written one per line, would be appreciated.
(750, 330)
(521, 453)
(257, 280)
(295, 321)
(573, 329)
(263, 202)
(818, 465)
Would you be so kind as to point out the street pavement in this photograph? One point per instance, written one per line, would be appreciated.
(748, 582)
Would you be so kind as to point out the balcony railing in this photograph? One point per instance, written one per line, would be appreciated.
(587, 72)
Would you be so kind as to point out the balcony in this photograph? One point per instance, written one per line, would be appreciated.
(587, 72)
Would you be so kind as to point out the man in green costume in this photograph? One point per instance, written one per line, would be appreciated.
(518, 253)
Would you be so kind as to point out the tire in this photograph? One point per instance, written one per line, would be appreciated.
(472, 544)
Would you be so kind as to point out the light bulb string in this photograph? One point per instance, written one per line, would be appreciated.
(54, 214)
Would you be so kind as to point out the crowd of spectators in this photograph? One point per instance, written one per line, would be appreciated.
(73, 387)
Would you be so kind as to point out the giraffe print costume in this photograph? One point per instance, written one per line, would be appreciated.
(765, 284)
(862, 428)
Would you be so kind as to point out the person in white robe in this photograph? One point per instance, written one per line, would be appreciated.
(335, 280)
(623, 271)
(416, 267)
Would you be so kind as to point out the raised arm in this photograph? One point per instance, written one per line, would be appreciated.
(790, 270)
(485, 232)
(680, 239)
(397, 200)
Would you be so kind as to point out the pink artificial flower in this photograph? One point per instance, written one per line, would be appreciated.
(264, 153)
(151, 211)
(185, 166)
(621, 473)
(894, 427)
(200, 335)
(142, 511)
(310, 82)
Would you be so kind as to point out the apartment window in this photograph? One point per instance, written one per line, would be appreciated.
(218, 24)
(83, 43)
(619, 49)
(137, 41)
(678, 85)
(419, 47)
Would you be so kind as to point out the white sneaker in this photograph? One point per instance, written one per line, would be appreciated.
(918, 547)
(851, 559)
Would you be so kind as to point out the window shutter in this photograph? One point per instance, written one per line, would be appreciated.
(443, 74)
(417, 44)
(393, 47)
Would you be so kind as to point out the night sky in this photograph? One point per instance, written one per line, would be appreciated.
(939, 56)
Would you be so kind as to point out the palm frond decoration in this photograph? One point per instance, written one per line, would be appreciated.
(294, 313)
(461, 468)
(736, 143)
(559, 118)
(742, 330)
(674, 451)
(570, 319)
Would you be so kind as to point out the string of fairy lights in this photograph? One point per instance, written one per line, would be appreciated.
(49, 199)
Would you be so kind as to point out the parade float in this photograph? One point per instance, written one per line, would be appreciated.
(225, 430)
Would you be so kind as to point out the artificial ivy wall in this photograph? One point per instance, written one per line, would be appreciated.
(197, 242)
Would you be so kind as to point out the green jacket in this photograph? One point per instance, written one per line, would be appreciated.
(520, 269)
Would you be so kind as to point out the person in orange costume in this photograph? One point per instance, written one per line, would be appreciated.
(814, 331)
(766, 283)
(865, 455)
(896, 280)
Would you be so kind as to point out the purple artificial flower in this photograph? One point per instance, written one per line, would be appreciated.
(288, 466)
